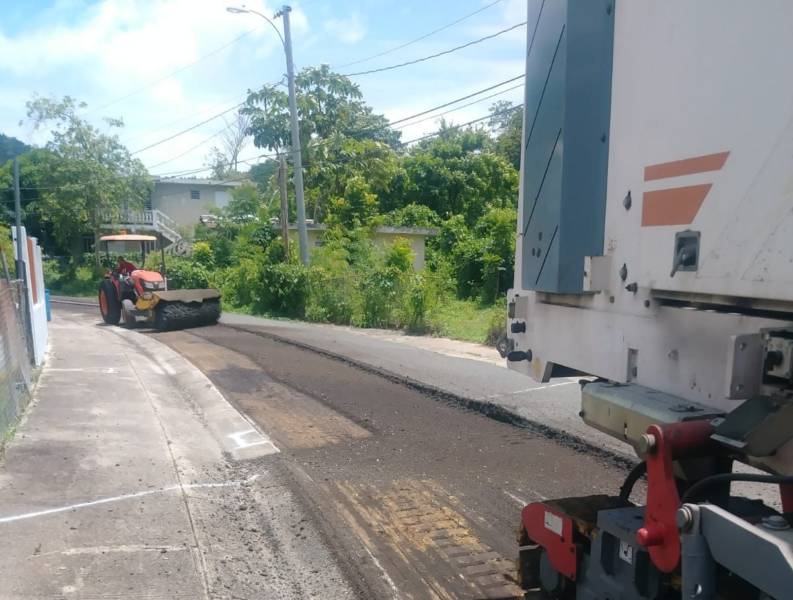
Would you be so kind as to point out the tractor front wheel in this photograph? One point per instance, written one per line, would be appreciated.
(109, 304)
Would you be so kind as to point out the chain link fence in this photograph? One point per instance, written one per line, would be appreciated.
(14, 359)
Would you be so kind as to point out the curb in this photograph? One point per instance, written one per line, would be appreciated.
(488, 409)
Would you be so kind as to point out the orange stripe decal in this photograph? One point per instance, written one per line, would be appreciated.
(675, 206)
(687, 166)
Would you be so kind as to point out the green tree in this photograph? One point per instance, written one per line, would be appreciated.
(245, 202)
(83, 177)
(506, 124)
(457, 173)
(356, 206)
(413, 215)
(264, 174)
(10, 147)
(332, 164)
(327, 103)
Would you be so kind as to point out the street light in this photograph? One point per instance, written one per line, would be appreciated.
(297, 159)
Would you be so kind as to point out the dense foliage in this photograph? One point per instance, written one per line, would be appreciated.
(80, 179)
(358, 176)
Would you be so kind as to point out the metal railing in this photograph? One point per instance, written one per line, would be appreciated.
(156, 219)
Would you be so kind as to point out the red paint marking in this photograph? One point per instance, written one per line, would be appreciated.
(561, 549)
(687, 166)
(34, 284)
(674, 206)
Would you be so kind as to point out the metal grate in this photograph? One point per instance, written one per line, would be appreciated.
(14, 360)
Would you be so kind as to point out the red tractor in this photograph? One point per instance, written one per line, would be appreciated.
(139, 296)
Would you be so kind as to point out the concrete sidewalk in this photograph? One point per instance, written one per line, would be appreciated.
(132, 477)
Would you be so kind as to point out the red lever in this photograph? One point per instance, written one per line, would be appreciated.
(650, 536)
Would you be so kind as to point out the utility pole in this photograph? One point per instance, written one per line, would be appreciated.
(20, 264)
(284, 206)
(297, 160)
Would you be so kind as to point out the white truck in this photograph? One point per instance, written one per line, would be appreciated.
(655, 254)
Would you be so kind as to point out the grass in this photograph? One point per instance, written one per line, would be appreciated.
(82, 283)
(468, 320)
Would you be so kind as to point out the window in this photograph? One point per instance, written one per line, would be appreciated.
(195, 195)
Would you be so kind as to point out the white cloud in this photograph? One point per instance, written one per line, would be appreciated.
(348, 30)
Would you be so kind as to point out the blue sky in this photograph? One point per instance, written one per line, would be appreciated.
(101, 51)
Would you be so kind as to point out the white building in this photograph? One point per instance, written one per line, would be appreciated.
(175, 206)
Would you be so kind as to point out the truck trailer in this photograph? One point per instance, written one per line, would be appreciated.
(654, 257)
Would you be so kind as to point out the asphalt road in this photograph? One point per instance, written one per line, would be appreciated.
(412, 494)
(418, 497)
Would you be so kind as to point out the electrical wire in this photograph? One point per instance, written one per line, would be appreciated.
(196, 126)
(455, 101)
(446, 112)
(323, 142)
(175, 72)
(189, 150)
(191, 116)
(437, 54)
(418, 39)
(469, 123)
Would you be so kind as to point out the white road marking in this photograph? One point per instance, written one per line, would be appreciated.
(385, 575)
(520, 500)
(104, 370)
(125, 548)
(173, 488)
(529, 390)
(239, 436)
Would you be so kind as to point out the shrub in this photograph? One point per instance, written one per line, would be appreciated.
(467, 264)
(379, 292)
(241, 283)
(497, 327)
(419, 299)
(284, 288)
(202, 255)
(332, 295)
(185, 274)
(400, 255)
(62, 277)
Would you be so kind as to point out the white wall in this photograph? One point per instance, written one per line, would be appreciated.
(34, 275)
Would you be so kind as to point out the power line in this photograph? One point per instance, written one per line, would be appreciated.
(446, 112)
(204, 122)
(183, 118)
(173, 73)
(455, 127)
(189, 150)
(418, 39)
(436, 55)
(408, 118)
(429, 110)
(197, 125)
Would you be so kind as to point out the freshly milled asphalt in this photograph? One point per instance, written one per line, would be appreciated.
(415, 495)
(418, 495)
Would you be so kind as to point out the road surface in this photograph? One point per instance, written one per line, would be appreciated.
(424, 496)
(413, 495)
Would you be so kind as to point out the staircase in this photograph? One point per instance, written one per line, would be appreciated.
(150, 220)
